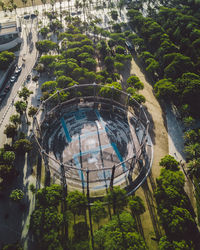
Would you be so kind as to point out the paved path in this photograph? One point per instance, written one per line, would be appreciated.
(175, 134)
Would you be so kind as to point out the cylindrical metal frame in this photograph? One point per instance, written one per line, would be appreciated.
(46, 110)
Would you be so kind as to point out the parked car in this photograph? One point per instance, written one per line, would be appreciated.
(18, 70)
(13, 78)
(26, 16)
(7, 88)
(2, 97)
(28, 78)
(33, 15)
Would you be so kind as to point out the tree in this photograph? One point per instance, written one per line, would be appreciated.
(7, 172)
(179, 224)
(15, 119)
(25, 93)
(120, 50)
(136, 205)
(20, 107)
(135, 82)
(24, 2)
(171, 178)
(46, 223)
(117, 197)
(188, 121)
(49, 86)
(166, 244)
(114, 14)
(17, 195)
(44, 31)
(119, 233)
(194, 168)
(63, 81)
(134, 95)
(45, 46)
(89, 63)
(9, 157)
(10, 131)
(49, 196)
(169, 163)
(165, 89)
(111, 90)
(109, 62)
(55, 25)
(22, 146)
(15, 246)
(76, 203)
(98, 211)
(5, 59)
(193, 150)
(177, 65)
(32, 111)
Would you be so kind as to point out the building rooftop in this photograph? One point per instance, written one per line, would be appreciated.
(8, 27)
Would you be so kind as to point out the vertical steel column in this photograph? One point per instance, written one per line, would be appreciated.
(64, 203)
(131, 168)
(94, 92)
(58, 95)
(46, 168)
(112, 177)
(76, 96)
(138, 119)
(127, 102)
(35, 121)
(89, 210)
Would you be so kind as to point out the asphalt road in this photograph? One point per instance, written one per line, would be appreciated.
(29, 35)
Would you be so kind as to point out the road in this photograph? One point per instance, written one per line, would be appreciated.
(29, 35)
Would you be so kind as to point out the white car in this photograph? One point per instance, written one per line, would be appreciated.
(13, 78)
(18, 69)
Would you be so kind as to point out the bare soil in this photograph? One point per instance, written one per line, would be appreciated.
(159, 136)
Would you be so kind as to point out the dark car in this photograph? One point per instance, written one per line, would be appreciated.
(33, 15)
(28, 78)
(2, 97)
(26, 16)
(7, 88)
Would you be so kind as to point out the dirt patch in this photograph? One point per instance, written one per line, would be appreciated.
(156, 116)
(159, 138)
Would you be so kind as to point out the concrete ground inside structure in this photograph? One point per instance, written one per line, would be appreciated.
(93, 139)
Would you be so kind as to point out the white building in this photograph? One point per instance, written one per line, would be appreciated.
(10, 31)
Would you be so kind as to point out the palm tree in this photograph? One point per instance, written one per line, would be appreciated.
(4, 8)
(24, 2)
(68, 5)
(10, 131)
(60, 1)
(193, 150)
(52, 4)
(25, 93)
(44, 2)
(20, 107)
(77, 4)
(15, 119)
(194, 168)
(90, 2)
(84, 5)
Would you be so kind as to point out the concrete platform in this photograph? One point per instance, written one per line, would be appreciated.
(93, 139)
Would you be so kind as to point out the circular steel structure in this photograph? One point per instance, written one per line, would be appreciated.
(94, 137)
